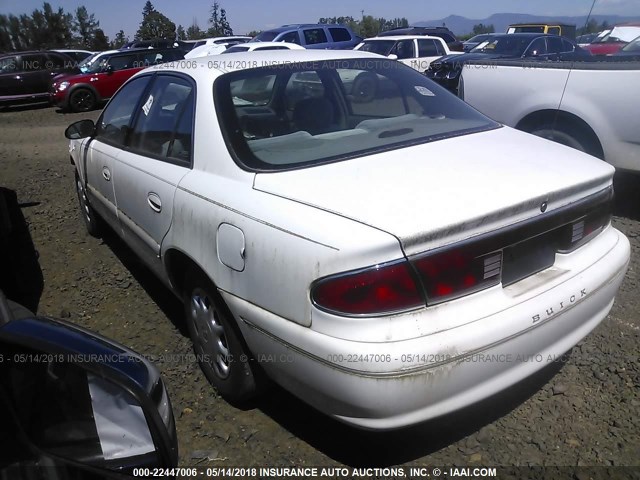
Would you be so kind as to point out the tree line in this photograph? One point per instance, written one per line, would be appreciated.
(367, 26)
(49, 28)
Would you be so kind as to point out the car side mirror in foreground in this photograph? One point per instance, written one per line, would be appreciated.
(81, 400)
(80, 129)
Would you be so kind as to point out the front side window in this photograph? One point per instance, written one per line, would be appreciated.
(315, 35)
(122, 62)
(404, 49)
(33, 63)
(276, 118)
(537, 48)
(164, 124)
(381, 47)
(113, 125)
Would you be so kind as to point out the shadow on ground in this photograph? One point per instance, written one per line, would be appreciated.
(20, 275)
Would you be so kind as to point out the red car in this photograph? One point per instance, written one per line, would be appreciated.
(615, 40)
(98, 82)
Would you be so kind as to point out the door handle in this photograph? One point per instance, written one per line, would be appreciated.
(154, 202)
(106, 174)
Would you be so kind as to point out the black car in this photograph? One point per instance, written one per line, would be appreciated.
(74, 404)
(443, 32)
(25, 76)
(502, 46)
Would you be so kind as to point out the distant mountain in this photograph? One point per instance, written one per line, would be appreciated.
(463, 26)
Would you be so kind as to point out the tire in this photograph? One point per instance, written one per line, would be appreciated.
(565, 135)
(365, 88)
(92, 220)
(217, 342)
(82, 100)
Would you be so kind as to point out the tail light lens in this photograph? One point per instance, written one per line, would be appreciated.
(381, 289)
(455, 273)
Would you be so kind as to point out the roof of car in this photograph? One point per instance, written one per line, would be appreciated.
(402, 37)
(260, 45)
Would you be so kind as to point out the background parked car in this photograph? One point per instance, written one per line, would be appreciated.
(534, 46)
(85, 91)
(216, 40)
(617, 38)
(25, 76)
(416, 52)
(630, 50)
(561, 29)
(443, 32)
(312, 36)
(260, 46)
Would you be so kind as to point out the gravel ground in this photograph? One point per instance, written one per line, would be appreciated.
(584, 411)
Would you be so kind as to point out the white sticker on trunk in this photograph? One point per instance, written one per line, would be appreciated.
(424, 91)
(147, 105)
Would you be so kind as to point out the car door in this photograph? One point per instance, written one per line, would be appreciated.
(158, 155)
(109, 141)
(537, 49)
(119, 68)
(428, 51)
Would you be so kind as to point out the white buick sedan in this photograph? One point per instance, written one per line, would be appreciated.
(386, 256)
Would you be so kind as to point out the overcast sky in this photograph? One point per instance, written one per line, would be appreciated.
(247, 15)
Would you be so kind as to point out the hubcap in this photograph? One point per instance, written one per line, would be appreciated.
(210, 331)
(82, 99)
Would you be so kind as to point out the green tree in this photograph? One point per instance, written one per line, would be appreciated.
(156, 25)
(254, 33)
(194, 32)
(147, 9)
(119, 40)
(180, 33)
(481, 28)
(5, 35)
(219, 26)
(100, 41)
(85, 27)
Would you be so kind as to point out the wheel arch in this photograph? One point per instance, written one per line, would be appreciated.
(541, 117)
(86, 86)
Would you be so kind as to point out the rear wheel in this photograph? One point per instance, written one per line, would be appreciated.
(82, 100)
(92, 220)
(218, 343)
(365, 87)
(567, 133)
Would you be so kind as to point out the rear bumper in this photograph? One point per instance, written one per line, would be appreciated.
(386, 385)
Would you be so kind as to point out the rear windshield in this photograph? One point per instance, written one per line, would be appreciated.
(381, 47)
(303, 114)
(266, 36)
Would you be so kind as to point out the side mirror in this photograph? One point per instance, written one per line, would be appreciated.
(108, 69)
(81, 400)
(80, 129)
(392, 56)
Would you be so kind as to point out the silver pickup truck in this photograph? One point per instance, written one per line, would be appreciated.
(591, 106)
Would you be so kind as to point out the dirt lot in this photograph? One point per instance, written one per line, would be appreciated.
(585, 411)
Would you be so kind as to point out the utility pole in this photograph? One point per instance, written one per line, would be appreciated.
(362, 12)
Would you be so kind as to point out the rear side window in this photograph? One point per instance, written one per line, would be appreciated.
(554, 44)
(113, 126)
(164, 124)
(340, 34)
(567, 46)
(33, 62)
(315, 35)
(58, 61)
(428, 48)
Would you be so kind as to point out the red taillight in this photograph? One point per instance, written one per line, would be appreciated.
(455, 273)
(381, 289)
